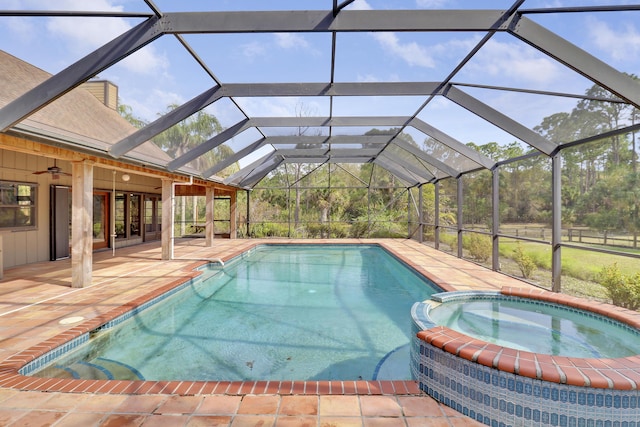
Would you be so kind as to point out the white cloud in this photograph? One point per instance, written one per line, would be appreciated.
(514, 61)
(359, 5)
(287, 106)
(367, 78)
(148, 104)
(412, 53)
(622, 43)
(431, 4)
(291, 41)
(253, 49)
(20, 28)
(87, 34)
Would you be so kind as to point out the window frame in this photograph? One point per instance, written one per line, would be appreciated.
(32, 206)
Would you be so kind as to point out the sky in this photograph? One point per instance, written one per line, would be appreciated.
(163, 74)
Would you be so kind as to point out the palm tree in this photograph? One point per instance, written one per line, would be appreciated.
(190, 133)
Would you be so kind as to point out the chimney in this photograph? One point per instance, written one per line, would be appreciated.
(104, 90)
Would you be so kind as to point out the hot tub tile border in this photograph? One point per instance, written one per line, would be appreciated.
(498, 398)
(526, 388)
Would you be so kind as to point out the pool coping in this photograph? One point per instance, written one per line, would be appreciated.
(607, 373)
(10, 376)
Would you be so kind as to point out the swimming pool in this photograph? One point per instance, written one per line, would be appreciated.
(277, 312)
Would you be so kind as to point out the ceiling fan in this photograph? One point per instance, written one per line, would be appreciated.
(54, 170)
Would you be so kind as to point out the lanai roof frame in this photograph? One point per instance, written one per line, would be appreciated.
(338, 19)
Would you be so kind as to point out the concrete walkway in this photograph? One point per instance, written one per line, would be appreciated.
(37, 304)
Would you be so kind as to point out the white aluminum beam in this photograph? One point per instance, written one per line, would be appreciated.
(437, 164)
(212, 143)
(404, 165)
(234, 158)
(500, 120)
(453, 143)
(165, 122)
(323, 21)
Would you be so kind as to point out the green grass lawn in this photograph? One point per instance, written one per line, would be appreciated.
(579, 267)
(581, 264)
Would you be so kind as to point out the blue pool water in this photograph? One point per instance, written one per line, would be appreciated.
(298, 312)
(538, 327)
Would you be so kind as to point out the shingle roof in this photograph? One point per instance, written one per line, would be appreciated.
(77, 116)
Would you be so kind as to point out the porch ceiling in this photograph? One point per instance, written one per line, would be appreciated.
(260, 143)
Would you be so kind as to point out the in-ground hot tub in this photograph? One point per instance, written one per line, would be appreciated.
(529, 357)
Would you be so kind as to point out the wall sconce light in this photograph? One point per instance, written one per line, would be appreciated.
(126, 177)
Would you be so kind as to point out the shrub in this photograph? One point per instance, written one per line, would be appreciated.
(624, 291)
(359, 229)
(451, 240)
(339, 230)
(269, 229)
(480, 247)
(525, 263)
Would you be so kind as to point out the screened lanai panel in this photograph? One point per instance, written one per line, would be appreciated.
(419, 164)
(348, 175)
(265, 57)
(398, 163)
(377, 134)
(463, 126)
(400, 56)
(442, 152)
(376, 105)
(339, 151)
(410, 178)
(303, 152)
(507, 61)
(250, 174)
(608, 36)
(284, 106)
(310, 175)
(159, 87)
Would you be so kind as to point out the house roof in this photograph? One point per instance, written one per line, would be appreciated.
(441, 156)
(77, 119)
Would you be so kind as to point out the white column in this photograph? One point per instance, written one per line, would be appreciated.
(209, 228)
(233, 227)
(1, 259)
(167, 219)
(82, 224)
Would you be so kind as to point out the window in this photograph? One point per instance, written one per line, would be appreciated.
(128, 215)
(17, 205)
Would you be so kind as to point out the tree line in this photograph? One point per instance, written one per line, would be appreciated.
(600, 179)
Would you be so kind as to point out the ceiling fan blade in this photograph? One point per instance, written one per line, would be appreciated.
(40, 172)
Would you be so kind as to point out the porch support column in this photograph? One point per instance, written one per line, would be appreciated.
(82, 224)
(167, 218)
(459, 215)
(248, 213)
(436, 215)
(233, 205)
(209, 224)
(495, 219)
(556, 218)
(1, 259)
(420, 215)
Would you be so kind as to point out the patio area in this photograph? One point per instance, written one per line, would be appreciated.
(37, 303)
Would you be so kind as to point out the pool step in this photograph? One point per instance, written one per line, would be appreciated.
(99, 369)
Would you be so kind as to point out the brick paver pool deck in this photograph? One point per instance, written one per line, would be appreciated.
(35, 298)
